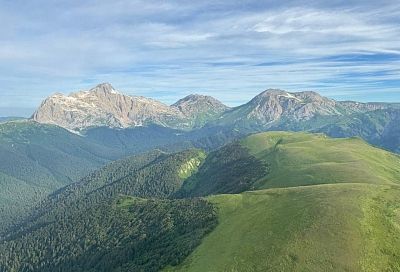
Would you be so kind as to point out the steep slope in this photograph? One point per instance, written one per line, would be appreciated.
(40, 158)
(200, 109)
(104, 106)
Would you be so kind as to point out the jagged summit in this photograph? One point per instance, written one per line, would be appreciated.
(103, 105)
(105, 88)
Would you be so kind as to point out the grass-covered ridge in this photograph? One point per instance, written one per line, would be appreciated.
(331, 227)
(289, 159)
(324, 205)
(297, 159)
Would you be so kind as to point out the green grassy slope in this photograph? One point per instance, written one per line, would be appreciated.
(287, 159)
(339, 227)
(297, 159)
(337, 209)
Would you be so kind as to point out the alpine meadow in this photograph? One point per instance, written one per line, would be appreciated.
(215, 136)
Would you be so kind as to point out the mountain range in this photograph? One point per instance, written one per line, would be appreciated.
(103, 106)
(101, 181)
(70, 136)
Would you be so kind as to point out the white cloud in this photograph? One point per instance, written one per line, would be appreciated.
(172, 48)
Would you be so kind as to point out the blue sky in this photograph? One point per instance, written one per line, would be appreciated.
(231, 50)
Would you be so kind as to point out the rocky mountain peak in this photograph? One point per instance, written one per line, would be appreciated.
(200, 108)
(104, 88)
(197, 100)
(273, 105)
(105, 106)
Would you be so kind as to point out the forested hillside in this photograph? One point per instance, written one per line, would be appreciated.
(101, 224)
(38, 159)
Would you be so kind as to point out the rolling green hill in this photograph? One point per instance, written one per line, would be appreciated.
(298, 159)
(336, 209)
(331, 227)
(379, 127)
(287, 159)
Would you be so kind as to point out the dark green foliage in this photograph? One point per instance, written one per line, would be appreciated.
(230, 169)
(36, 159)
(153, 174)
(99, 224)
(143, 235)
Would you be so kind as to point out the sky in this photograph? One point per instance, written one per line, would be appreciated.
(232, 50)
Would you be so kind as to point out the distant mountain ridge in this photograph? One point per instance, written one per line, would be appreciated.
(273, 109)
(104, 106)
(274, 105)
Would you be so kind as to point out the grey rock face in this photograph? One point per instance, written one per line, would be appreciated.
(104, 106)
(272, 105)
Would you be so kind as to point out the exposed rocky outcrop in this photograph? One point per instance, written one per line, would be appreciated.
(104, 106)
